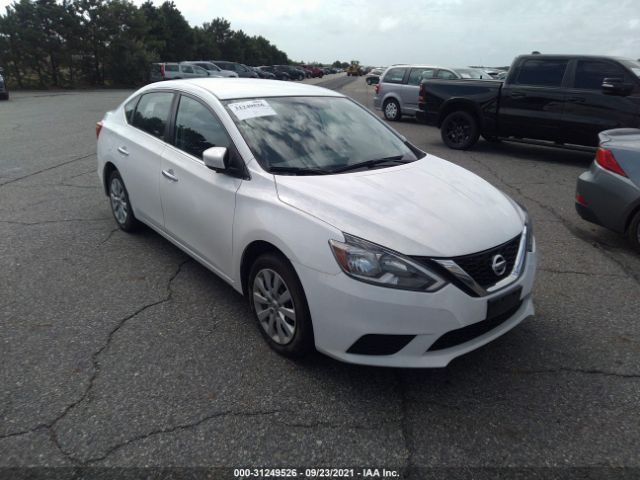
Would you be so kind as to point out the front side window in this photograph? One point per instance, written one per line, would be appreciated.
(395, 75)
(446, 75)
(418, 74)
(543, 73)
(152, 113)
(590, 74)
(197, 128)
(472, 73)
(314, 133)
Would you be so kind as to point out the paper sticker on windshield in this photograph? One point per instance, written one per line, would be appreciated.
(251, 109)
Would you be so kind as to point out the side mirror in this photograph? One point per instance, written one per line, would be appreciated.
(616, 86)
(216, 158)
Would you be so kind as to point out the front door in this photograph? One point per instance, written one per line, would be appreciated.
(198, 203)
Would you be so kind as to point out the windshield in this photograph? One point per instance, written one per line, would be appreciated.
(471, 73)
(314, 133)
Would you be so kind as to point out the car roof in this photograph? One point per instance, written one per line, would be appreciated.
(232, 88)
(541, 56)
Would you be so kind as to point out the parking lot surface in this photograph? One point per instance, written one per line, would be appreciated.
(118, 350)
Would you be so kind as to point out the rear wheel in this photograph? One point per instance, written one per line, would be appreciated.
(633, 233)
(280, 306)
(391, 110)
(120, 203)
(459, 130)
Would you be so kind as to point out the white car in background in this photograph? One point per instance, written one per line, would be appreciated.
(343, 235)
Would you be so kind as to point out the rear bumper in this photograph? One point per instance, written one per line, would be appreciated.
(607, 199)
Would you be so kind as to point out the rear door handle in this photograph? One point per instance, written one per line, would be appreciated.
(170, 175)
(123, 151)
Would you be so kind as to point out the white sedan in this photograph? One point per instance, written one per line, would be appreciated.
(344, 237)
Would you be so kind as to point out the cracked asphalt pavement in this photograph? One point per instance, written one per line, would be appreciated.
(118, 350)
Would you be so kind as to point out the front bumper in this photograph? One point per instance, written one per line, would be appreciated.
(607, 198)
(344, 310)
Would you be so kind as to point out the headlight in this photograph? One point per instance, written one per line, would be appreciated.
(371, 263)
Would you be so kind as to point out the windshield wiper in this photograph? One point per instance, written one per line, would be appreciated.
(298, 171)
(371, 163)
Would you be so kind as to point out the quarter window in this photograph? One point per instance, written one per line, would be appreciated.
(395, 75)
(419, 74)
(197, 128)
(152, 113)
(589, 74)
(543, 73)
(129, 108)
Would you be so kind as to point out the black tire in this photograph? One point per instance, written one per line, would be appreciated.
(128, 222)
(302, 342)
(391, 110)
(460, 130)
(633, 232)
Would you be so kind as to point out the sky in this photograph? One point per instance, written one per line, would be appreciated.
(443, 32)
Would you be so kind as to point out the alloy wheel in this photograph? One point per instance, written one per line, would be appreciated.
(273, 306)
(458, 131)
(119, 203)
(391, 110)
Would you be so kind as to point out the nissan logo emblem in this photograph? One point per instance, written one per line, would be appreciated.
(499, 265)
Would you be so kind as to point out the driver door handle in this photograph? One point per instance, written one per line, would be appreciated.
(123, 151)
(170, 175)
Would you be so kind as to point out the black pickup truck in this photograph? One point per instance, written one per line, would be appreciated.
(561, 99)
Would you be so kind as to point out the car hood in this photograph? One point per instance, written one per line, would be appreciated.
(430, 207)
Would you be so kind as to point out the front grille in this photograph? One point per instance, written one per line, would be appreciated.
(478, 265)
(468, 333)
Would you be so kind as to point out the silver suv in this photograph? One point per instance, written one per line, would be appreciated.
(212, 68)
(399, 87)
(174, 71)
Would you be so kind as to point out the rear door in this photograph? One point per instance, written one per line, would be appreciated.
(198, 203)
(411, 91)
(531, 106)
(588, 110)
(140, 150)
(393, 83)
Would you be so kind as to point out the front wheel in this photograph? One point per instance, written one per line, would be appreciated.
(459, 130)
(633, 234)
(279, 305)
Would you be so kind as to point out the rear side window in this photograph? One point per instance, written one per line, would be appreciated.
(418, 74)
(543, 73)
(152, 113)
(170, 67)
(590, 74)
(186, 68)
(129, 108)
(197, 128)
(395, 75)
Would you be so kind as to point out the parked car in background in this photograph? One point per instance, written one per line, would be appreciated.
(609, 193)
(175, 71)
(372, 253)
(396, 94)
(279, 73)
(558, 99)
(242, 70)
(373, 76)
(315, 71)
(213, 69)
(293, 72)
(4, 93)
(263, 73)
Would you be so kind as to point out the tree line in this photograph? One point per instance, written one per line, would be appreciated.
(47, 43)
